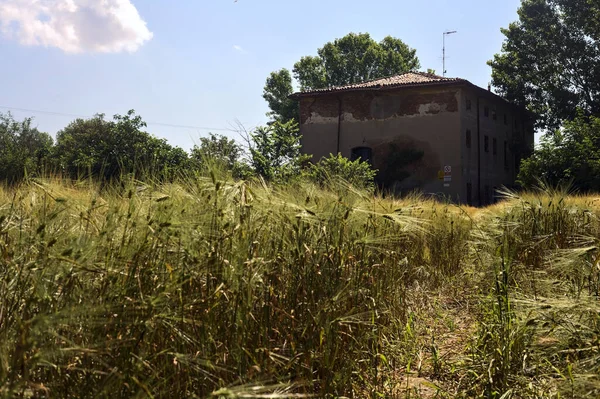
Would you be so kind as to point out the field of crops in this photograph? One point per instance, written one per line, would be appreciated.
(217, 288)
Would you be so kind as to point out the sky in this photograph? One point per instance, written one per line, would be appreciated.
(190, 67)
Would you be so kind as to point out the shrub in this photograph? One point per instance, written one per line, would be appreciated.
(336, 167)
(275, 151)
(23, 148)
(109, 150)
(569, 155)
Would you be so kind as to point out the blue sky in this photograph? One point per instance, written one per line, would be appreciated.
(203, 63)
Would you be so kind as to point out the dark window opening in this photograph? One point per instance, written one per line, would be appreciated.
(469, 194)
(494, 115)
(468, 139)
(516, 123)
(468, 105)
(363, 153)
(494, 146)
(506, 155)
(505, 119)
(486, 144)
(486, 111)
(486, 194)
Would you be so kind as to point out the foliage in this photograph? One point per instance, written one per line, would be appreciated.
(23, 149)
(351, 59)
(275, 151)
(354, 58)
(220, 152)
(112, 149)
(569, 155)
(276, 93)
(120, 148)
(336, 167)
(549, 60)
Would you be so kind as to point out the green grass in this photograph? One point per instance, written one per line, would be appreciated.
(216, 288)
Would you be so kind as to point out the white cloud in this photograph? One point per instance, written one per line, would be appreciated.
(75, 26)
(239, 48)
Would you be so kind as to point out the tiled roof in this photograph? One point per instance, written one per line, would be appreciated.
(405, 79)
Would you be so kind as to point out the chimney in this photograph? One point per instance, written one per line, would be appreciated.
(489, 87)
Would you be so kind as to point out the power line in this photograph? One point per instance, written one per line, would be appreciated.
(37, 111)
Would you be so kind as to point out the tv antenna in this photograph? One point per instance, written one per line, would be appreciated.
(446, 33)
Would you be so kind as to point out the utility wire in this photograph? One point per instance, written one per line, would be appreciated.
(37, 111)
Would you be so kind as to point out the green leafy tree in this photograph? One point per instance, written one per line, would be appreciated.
(276, 92)
(570, 155)
(221, 152)
(336, 167)
(351, 59)
(549, 60)
(161, 160)
(81, 146)
(275, 151)
(112, 149)
(23, 148)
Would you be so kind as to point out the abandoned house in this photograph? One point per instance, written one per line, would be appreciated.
(441, 136)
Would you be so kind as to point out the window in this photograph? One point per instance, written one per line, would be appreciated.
(468, 140)
(494, 115)
(469, 194)
(506, 155)
(516, 123)
(486, 144)
(505, 119)
(486, 112)
(486, 194)
(494, 146)
(468, 105)
(362, 153)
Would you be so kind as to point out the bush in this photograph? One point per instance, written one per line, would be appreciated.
(275, 151)
(218, 152)
(109, 150)
(570, 155)
(336, 167)
(23, 149)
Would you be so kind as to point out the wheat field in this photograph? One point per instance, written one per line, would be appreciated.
(211, 287)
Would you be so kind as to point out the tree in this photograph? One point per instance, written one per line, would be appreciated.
(351, 59)
(569, 155)
(549, 60)
(112, 149)
(220, 151)
(275, 151)
(23, 148)
(277, 91)
(160, 160)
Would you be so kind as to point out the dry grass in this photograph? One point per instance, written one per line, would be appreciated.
(232, 289)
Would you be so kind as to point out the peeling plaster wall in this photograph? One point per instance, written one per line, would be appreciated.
(425, 120)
